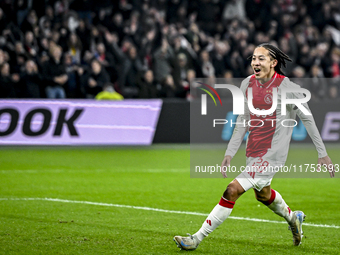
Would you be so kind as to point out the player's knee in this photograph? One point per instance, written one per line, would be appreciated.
(261, 198)
(231, 192)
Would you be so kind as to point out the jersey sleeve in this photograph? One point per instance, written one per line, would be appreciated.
(308, 122)
(241, 125)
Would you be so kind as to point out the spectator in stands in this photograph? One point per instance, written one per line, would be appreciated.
(320, 53)
(163, 59)
(22, 7)
(288, 45)
(181, 78)
(332, 64)
(43, 46)
(74, 46)
(2, 57)
(107, 60)
(169, 88)
(207, 68)
(19, 49)
(317, 84)
(219, 58)
(299, 75)
(191, 75)
(147, 86)
(215, 37)
(55, 37)
(195, 37)
(109, 93)
(30, 45)
(84, 9)
(305, 58)
(64, 33)
(31, 80)
(31, 22)
(116, 25)
(18, 58)
(236, 64)
(83, 33)
(96, 79)
(234, 9)
(180, 50)
(3, 21)
(46, 21)
(54, 74)
(61, 7)
(43, 58)
(96, 37)
(73, 88)
(207, 14)
(130, 66)
(183, 66)
(7, 89)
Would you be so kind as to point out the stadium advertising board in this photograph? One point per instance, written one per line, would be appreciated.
(78, 122)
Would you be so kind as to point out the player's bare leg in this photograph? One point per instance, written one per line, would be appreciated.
(217, 216)
(274, 201)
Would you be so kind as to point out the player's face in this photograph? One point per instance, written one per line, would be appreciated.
(262, 64)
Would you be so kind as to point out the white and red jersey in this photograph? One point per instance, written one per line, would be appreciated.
(267, 136)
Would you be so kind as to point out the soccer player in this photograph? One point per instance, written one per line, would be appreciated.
(267, 145)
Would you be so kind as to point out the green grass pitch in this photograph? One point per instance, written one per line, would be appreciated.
(156, 177)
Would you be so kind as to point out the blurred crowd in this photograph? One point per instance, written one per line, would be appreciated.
(154, 48)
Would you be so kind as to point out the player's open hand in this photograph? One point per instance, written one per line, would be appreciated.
(327, 162)
(225, 164)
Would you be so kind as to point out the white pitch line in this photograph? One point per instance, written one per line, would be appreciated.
(31, 171)
(149, 170)
(161, 210)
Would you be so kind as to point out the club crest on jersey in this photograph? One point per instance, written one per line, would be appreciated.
(268, 99)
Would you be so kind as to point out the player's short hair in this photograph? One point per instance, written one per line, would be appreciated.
(277, 54)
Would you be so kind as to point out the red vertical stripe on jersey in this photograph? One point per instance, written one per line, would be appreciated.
(260, 137)
(226, 203)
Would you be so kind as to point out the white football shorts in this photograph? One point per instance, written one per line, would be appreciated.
(258, 173)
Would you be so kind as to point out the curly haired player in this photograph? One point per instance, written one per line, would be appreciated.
(267, 146)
